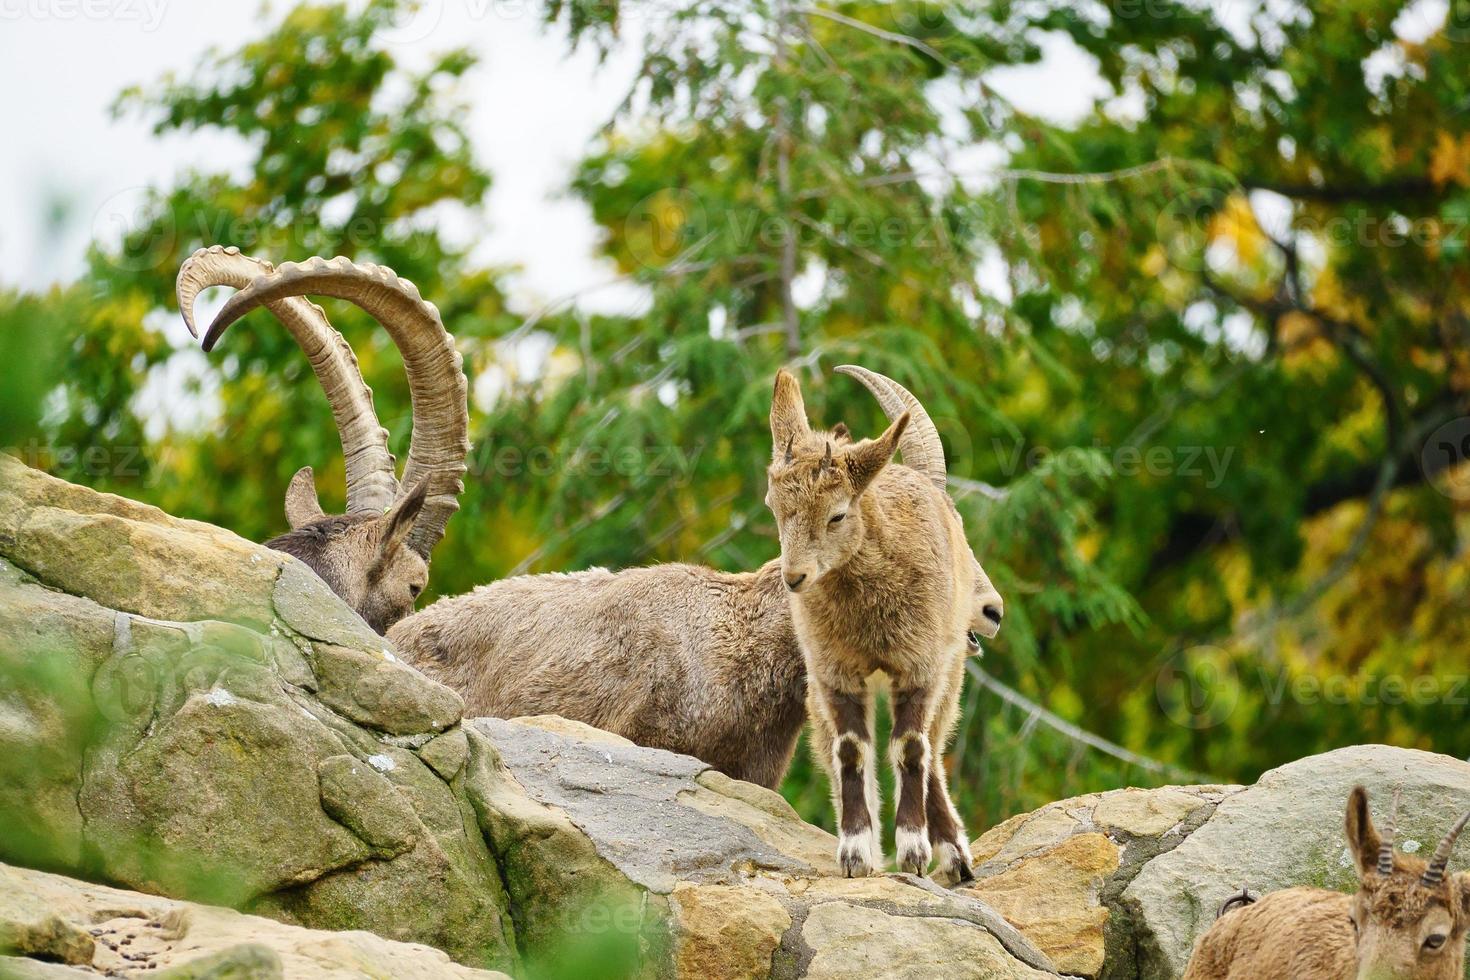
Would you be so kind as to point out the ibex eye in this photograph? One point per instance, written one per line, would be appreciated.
(836, 518)
(1434, 942)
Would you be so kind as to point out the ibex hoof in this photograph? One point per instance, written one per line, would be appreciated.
(857, 855)
(914, 852)
(954, 865)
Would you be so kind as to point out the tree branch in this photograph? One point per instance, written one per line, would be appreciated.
(1035, 713)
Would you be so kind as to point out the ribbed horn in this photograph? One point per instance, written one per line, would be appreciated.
(1434, 874)
(919, 443)
(371, 483)
(435, 370)
(1390, 834)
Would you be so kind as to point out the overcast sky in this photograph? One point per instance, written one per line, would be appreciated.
(533, 111)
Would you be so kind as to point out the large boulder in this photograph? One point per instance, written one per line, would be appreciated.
(194, 715)
(1058, 873)
(188, 714)
(52, 926)
(719, 876)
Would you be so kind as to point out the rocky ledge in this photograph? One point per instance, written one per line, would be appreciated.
(210, 767)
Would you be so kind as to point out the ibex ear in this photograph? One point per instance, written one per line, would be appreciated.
(788, 413)
(1462, 881)
(1362, 838)
(302, 505)
(841, 433)
(399, 520)
(867, 459)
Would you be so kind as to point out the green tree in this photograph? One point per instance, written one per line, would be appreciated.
(1268, 261)
(1263, 420)
(800, 200)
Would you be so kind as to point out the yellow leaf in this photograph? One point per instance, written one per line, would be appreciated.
(1236, 223)
(1450, 160)
(1154, 261)
(1296, 329)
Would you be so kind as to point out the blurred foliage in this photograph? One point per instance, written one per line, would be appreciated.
(1193, 405)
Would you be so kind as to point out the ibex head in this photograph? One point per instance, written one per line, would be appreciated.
(815, 480)
(364, 558)
(375, 557)
(1409, 916)
(915, 436)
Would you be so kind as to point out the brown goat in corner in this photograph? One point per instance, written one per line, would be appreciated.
(1407, 920)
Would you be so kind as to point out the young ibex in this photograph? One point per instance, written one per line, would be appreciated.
(1407, 920)
(676, 657)
(881, 583)
(375, 557)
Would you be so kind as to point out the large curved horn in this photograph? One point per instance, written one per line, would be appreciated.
(919, 443)
(435, 370)
(371, 481)
(1390, 834)
(1434, 874)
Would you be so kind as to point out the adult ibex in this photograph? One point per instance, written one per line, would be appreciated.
(375, 556)
(677, 657)
(883, 588)
(1407, 920)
